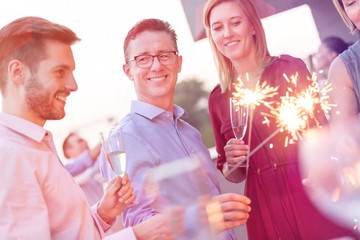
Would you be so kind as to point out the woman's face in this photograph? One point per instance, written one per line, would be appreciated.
(231, 30)
(352, 9)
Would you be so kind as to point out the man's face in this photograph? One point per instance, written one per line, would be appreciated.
(46, 89)
(156, 83)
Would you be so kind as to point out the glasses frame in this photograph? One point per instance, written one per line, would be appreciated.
(152, 59)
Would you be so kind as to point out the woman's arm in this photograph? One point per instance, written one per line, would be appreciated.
(343, 94)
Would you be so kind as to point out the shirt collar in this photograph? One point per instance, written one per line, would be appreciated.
(22, 126)
(150, 111)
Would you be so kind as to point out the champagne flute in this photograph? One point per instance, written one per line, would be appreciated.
(239, 115)
(114, 149)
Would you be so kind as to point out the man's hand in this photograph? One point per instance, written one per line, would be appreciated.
(156, 227)
(117, 196)
(235, 210)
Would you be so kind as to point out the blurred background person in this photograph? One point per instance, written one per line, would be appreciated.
(329, 49)
(77, 152)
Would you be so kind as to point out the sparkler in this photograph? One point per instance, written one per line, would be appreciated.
(252, 98)
(290, 116)
(292, 113)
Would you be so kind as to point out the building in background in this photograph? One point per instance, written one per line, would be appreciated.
(327, 20)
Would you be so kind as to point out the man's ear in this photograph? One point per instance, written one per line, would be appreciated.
(126, 69)
(179, 59)
(16, 71)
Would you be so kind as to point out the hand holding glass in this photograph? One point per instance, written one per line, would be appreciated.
(114, 149)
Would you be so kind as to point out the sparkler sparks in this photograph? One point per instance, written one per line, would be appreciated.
(290, 116)
(295, 110)
(292, 113)
(254, 97)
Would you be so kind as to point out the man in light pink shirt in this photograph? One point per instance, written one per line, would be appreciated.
(38, 197)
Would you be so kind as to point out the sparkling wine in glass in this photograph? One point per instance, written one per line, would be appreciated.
(114, 149)
(239, 115)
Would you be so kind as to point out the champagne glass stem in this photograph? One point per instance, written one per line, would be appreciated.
(102, 139)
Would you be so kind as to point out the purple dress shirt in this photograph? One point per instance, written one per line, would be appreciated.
(153, 137)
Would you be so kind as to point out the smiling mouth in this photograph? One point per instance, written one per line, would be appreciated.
(157, 79)
(61, 98)
(230, 44)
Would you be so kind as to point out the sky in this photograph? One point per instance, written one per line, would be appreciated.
(104, 91)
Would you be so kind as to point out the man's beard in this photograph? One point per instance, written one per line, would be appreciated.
(39, 101)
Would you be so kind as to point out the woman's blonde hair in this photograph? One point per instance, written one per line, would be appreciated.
(340, 8)
(223, 64)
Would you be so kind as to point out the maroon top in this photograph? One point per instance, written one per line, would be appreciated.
(280, 207)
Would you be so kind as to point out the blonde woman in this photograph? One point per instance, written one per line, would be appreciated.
(344, 73)
(280, 207)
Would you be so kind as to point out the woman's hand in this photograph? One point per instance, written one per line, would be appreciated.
(235, 151)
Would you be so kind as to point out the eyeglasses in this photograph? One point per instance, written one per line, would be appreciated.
(146, 61)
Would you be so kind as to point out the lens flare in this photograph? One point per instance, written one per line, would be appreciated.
(330, 166)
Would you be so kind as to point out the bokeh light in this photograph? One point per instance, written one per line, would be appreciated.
(330, 164)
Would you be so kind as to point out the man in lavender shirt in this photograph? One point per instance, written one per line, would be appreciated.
(154, 132)
(77, 152)
(38, 197)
